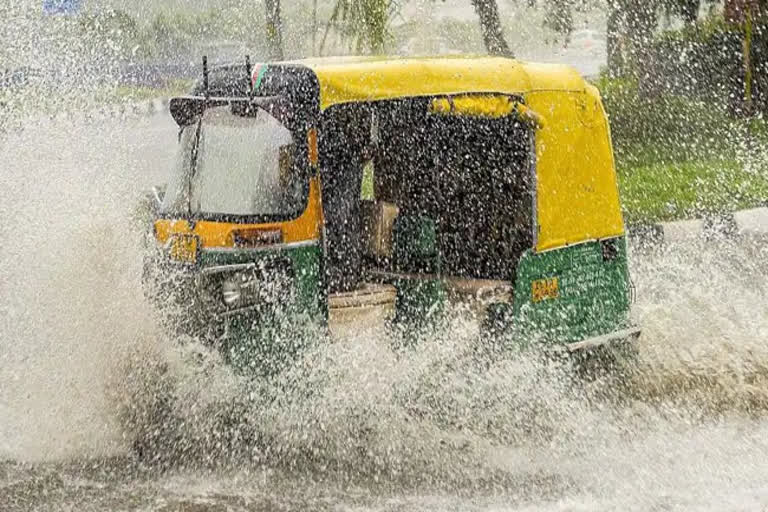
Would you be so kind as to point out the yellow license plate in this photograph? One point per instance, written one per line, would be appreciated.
(184, 248)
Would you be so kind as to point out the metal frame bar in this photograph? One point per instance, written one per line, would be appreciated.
(623, 336)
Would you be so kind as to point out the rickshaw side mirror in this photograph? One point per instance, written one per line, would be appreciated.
(187, 109)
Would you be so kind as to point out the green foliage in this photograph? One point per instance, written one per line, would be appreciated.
(178, 32)
(559, 16)
(701, 60)
(672, 128)
(673, 190)
(705, 61)
(677, 157)
(112, 30)
(703, 31)
(365, 23)
(173, 33)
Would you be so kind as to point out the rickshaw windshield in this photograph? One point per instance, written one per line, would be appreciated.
(236, 165)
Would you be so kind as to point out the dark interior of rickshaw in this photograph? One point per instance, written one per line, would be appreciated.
(448, 194)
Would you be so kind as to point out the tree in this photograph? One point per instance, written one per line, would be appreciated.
(736, 10)
(559, 17)
(630, 30)
(613, 38)
(490, 25)
(363, 22)
(688, 10)
(744, 13)
(114, 31)
(274, 30)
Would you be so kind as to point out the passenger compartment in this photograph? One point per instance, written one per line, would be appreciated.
(449, 211)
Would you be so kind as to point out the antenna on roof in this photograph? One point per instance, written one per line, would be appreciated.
(205, 77)
(248, 75)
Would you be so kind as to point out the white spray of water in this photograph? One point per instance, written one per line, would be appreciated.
(70, 301)
(73, 320)
(703, 308)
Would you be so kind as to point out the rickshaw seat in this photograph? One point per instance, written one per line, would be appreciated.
(378, 223)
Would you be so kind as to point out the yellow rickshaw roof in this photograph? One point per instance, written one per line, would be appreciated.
(355, 79)
(577, 197)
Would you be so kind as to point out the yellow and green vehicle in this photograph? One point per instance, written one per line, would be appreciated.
(317, 191)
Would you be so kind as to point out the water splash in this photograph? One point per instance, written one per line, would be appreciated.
(703, 309)
(80, 344)
(70, 302)
(441, 413)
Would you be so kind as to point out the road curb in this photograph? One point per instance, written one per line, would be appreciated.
(729, 224)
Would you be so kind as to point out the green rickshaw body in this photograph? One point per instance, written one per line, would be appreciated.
(572, 294)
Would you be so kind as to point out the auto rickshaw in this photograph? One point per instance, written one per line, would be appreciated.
(326, 191)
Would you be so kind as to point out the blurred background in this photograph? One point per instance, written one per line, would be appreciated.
(685, 82)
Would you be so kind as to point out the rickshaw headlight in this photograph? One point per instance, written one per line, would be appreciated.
(230, 288)
(240, 290)
(231, 292)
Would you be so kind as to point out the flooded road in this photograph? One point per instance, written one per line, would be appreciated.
(356, 427)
